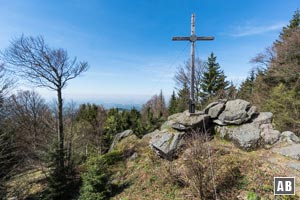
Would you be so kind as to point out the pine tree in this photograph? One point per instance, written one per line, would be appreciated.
(232, 91)
(172, 104)
(246, 89)
(213, 80)
(183, 99)
(289, 29)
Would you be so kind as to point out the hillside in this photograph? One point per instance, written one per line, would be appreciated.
(224, 162)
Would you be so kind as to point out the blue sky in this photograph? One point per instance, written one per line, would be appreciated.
(128, 42)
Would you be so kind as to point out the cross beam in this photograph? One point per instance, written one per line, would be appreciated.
(193, 38)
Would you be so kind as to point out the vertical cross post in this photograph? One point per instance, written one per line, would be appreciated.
(193, 38)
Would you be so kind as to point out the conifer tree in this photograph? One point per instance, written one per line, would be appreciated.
(246, 89)
(183, 98)
(213, 80)
(289, 29)
(172, 104)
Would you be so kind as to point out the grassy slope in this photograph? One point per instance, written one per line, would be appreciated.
(148, 176)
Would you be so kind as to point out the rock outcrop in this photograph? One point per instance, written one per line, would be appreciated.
(186, 121)
(166, 142)
(237, 112)
(118, 137)
(246, 136)
(234, 120)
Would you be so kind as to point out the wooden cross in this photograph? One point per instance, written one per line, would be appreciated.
(193, 38)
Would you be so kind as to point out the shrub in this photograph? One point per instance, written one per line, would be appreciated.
(97, 178)
(209, 173)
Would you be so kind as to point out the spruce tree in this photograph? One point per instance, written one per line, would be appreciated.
(289, 29)
(246, 89)
(213, 80)
(172, 104)
(183, 98)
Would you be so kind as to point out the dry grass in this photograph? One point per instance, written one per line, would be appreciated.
(26, 184)
(147, 176)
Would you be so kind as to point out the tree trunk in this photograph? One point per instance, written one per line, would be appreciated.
(60, 129)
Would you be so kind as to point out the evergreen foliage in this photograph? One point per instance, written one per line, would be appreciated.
(172, 108)
(183, 99)
(284, 104)
(97, 178)
(154, 112)
(213, 80)
(247, 87)
(289, 29)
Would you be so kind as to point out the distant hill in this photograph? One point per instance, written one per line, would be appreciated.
(122, 106)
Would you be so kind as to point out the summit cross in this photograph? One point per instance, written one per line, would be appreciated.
(193, 38)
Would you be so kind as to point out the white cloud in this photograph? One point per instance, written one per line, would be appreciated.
(251, 29)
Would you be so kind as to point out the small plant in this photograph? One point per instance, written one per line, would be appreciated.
(252, 196)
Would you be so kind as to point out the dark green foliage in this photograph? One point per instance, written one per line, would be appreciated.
(154, 112)
(97, 178)
(275, 88)
(284, 104)
(183, 99)
(289, 29)
(172, 108)
(63, 183)
(8, 158)
(213, 80)
(247, 87)
(121, 120)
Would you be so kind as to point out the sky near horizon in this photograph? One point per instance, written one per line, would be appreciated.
(128, 43)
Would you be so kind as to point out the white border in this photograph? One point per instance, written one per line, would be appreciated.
(293, 177)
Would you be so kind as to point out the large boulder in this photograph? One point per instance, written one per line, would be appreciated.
(186, 121)
(166, 142)
(246, 136)
(237, 112)
(215, 108)
(263, 118)
(268, 134)
(292, 151)
(118, 137)
(252, 135)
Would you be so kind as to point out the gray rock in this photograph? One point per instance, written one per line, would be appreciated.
(216, 110)
(246, 136)
(289, 137)
(263, 118)
(166, 142)
(293, 165)
(237, 112)
(269, 135)
(206, 109)
(167, 124)
(251, 112)
(150, 135)
(185, 121)
(219, 122)
(292, 151)
(118, 137)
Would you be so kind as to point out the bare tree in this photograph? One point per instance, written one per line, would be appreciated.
(8, 158)
(45, 67)
(264, 59)
(183, 76)
(32, 120)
